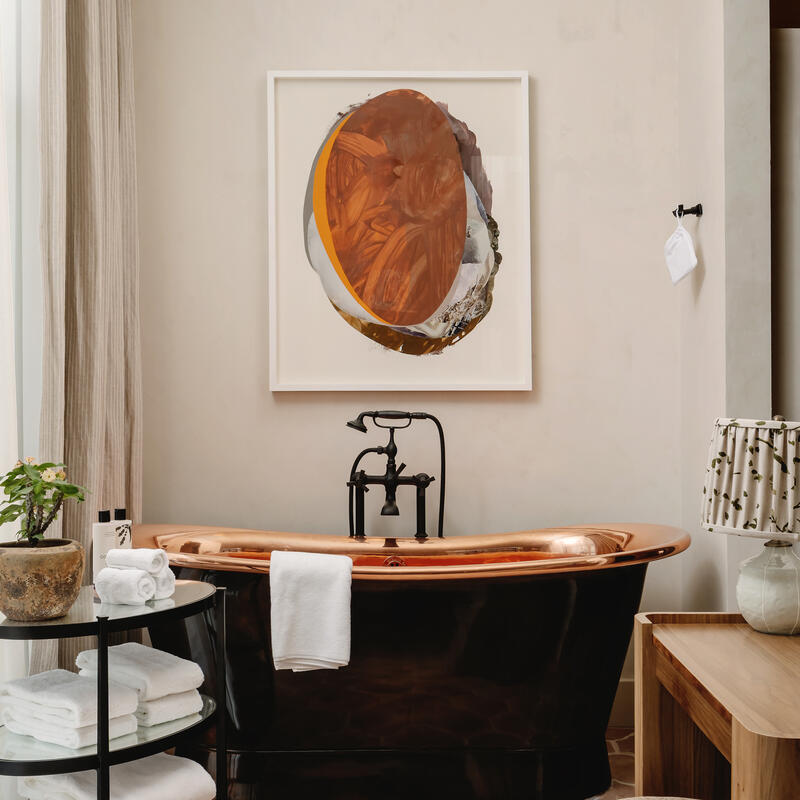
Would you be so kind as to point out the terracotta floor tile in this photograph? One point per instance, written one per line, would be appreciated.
(620, 756)
(625, 743)
(622, 767)
(617, 793)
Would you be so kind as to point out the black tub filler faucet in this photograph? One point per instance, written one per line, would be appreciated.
(391, 479)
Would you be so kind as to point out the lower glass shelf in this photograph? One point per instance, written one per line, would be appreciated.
(24, 755)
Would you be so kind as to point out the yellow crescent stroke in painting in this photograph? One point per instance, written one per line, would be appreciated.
(320, 205)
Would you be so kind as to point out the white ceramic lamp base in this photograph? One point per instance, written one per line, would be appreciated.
(768, 589)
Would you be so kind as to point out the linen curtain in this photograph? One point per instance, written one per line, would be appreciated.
(12, 654)
(91, 393)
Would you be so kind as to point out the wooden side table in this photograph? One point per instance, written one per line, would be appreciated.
(717, 709)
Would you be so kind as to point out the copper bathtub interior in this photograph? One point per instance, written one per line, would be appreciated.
(552, 550)
(482, 667)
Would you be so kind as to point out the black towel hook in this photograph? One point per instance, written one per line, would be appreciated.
(680, 211)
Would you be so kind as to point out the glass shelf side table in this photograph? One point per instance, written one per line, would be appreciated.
(24, 755)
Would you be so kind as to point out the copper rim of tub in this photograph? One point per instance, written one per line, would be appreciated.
(546, 551)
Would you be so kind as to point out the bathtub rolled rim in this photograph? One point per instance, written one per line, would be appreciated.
(643, 543)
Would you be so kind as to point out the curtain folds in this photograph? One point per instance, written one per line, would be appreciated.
(91, 394)
(12, 654)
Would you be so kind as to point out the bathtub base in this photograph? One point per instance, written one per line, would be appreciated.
(570, 774)
(481, 690)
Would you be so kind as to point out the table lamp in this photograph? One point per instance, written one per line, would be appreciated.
(753, 489)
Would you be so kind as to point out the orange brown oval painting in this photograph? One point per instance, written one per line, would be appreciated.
(398, 226)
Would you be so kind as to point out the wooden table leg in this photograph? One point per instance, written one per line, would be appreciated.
(649, 746)
(763, 768)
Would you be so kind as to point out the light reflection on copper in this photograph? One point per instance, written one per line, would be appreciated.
(551, 550)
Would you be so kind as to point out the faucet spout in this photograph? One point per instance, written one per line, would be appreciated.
(390, 509)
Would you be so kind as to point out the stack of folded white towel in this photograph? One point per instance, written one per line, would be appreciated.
(60, 707)
(153, 778)
(134, 576)
(166, 685)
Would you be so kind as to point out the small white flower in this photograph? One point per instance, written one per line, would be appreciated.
(49, 475)
(31, 460)
(61, 474)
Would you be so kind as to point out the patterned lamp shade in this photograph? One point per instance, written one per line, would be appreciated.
(752, 479)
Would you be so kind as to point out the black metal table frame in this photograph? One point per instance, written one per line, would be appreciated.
(104, 759)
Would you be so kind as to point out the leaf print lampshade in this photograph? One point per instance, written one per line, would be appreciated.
(752, 479)
(752, 490)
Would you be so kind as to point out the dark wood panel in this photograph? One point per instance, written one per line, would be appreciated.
(784, 13)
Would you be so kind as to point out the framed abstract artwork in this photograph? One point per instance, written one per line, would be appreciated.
(399, 231)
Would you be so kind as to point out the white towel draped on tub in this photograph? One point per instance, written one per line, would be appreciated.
(310, 610)
(152, 673)
(131, 587)
(159, 777)
(64, 698)
(150, 560)
(165, 709)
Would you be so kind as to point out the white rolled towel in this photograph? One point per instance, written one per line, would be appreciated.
(165, 583)
(150, 560)
(131, 587)
(166, 709)
(152, 673)
(153, 778)
(64, 698)
(74, 738)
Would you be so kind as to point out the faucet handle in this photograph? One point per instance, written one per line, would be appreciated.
(424, 480)
(358, 480)
(400, 468)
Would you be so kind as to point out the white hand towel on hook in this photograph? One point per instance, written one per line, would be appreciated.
(310, 610)
(679, 252)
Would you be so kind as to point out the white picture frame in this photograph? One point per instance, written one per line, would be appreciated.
(310, 347)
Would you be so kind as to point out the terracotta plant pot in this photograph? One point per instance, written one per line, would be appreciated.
(42, 581)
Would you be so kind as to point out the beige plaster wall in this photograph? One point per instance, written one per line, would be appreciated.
(628, 118)
(598, 437)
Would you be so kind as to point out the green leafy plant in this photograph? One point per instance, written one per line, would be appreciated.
(35, 493)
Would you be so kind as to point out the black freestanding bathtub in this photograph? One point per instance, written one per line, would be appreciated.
(481, 667)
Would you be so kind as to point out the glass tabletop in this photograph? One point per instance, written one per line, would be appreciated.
(82, 617)
(17, 748)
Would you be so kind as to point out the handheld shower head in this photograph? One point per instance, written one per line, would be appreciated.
(387, 416)
(358, 423)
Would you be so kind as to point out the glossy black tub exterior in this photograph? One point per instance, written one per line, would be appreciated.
(497, 688)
